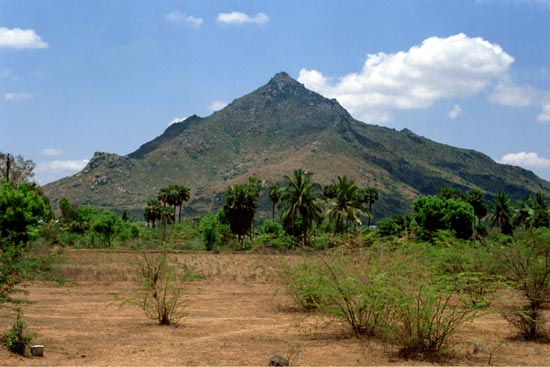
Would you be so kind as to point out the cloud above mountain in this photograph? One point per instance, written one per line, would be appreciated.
(53, 170)
(440, 68)
(526, 160)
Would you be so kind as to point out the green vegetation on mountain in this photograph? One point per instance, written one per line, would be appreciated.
(269, 133)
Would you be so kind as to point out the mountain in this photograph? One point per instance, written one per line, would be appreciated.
(268, 133)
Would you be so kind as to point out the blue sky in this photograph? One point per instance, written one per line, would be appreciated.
(83, 76)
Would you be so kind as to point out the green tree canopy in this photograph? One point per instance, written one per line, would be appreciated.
(433, 213)
(23, 208)
(241, 202)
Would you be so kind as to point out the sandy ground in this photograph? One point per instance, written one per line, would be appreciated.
(237, 315)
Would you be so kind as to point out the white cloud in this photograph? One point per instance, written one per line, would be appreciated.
(20, 38)
(217, 105)
(544, 116)
(526, 160)
(455, 111)
(242, 18)
(177, 16)
(50, 152)
(507, 93)
(13, 97)
(454, 67)
(53, 170)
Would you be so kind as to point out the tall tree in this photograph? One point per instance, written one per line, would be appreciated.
(477, 200)
(16, 169)
(541, 215)
(241, 203)
(370, 197)
(300, 204)
(274, 193)
(22, 210)
(523, 214)
(164, 196)
(152, 212)
(347, 205)
(183, 194)
(502, 213)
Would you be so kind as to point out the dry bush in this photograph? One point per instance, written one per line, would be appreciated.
(161, 294)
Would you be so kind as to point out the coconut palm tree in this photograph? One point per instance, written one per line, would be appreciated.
(346, 206)
(300, 204)
(541, 216)
(502, 213)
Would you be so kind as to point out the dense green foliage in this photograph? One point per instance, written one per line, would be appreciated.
(23, 210)
(433, 213)
(241, 202)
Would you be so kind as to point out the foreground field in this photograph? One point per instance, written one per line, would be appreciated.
(237, 315)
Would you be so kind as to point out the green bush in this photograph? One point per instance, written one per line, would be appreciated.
(391, 226)
(272, 227)
(527, 264)
(210, 230)
(426, 314)
(387, 292)
(305, 283)
(15, 339)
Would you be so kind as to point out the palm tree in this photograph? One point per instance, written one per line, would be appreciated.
(523, 215)
(476, 199)
(182, 194)
(299, 202)
(163, 196)
(370, 197)
(274, 193)
(541, 216)
(347, 204)
(502, 214)
(152, 212)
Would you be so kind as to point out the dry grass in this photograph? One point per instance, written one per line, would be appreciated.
(235, 316)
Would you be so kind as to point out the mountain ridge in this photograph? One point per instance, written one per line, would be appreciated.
(276, 128)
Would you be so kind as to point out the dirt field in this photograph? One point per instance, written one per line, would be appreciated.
(237, 315)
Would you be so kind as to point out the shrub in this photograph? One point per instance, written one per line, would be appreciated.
(305, 284)
(161, 294)
(427, 313)
(15, 339)
(355, 292)
(272, 227)
(209, 227)
(387, 293)
(391, 226)
(527, 265)
(348, 288)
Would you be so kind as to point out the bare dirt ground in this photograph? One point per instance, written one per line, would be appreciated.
(238, 315)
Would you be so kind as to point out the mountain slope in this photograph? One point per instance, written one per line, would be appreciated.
(280, 127)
